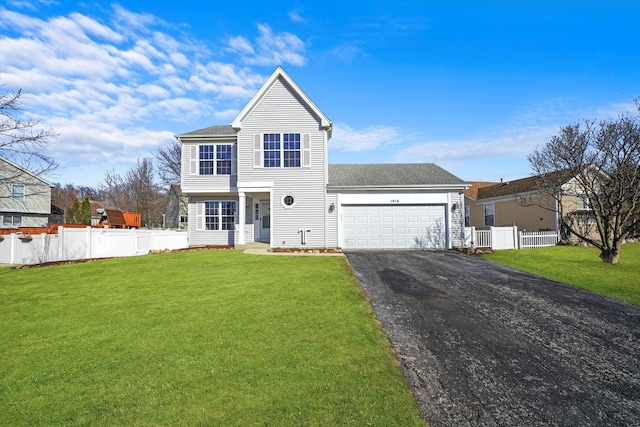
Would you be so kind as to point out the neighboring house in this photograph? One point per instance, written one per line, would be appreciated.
(25, 199)
(517, 203)
(265, 178)
(176, 213)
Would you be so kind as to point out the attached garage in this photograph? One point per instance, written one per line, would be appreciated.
(395, 206)
(394, 226)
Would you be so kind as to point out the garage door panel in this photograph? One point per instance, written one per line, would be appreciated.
(391, 226)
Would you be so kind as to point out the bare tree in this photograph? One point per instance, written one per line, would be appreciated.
(168, 159)
(24, 142)
(135, 191)
(598, 165)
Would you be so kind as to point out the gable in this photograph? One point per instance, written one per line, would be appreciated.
(19, 174)
(277, 85)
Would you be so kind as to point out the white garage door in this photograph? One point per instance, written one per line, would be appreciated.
(393, 226)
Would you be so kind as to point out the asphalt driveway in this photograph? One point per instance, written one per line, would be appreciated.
(483, 344)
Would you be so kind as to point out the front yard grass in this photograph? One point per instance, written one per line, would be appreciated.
(580, 266)
(210, 338)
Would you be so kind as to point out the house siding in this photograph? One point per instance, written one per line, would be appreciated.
(305, 184)
(457, 218)
(204, 183)
(210, 237)
(510, 211)
(332, 220)
(36, 206)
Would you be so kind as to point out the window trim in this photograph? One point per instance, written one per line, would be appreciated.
(194, 166)
(259, 150)
(284, 198)
(492, 214)
(201, 215)
(13, 192)
(12, 225)
(582, 204)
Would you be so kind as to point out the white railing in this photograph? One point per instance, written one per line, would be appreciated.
(509, 238)
(85, 243)
(538, 239)
(482, 239)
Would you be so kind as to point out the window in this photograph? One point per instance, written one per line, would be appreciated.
(215, 159)
(219, 215)
(583, 204)
(291, 150)
(489, 214)
(282, 150)
(17, 192)
(287, 201)
(11, 221)
(467, 216)
(271, 147)
(223, 159)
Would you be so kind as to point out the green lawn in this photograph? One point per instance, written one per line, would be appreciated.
(209, 338)
(580, 266)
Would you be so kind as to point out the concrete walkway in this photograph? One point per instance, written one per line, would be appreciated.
(257, 248)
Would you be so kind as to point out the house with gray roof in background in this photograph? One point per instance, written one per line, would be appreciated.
(265, 178)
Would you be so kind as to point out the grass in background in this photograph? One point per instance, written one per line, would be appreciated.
(211, 337)
(580, 266)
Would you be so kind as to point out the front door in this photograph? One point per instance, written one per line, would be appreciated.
(265, 220)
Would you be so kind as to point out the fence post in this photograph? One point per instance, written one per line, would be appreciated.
(87, 253)
(135, 241)
(44, 257)
(60, 243)
(12, 247)
(516, 241)
(492, 237)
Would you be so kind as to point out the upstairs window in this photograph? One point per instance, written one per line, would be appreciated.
(17, 192)
(282, 150)
(223, 159)
(212, 159)
(271, 147)
(291, 150)
(583, 203)
(207, 159)
(489, 215)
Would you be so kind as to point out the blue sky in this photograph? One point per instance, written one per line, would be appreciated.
(473, 86)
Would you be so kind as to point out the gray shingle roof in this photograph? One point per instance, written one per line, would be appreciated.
(519, 186)
(218, 130)
(390, 174)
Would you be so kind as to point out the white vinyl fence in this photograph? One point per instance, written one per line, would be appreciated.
(84, 243)
(509, 238)
(538, 239)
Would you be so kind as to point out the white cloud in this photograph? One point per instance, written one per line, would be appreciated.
(517, 143)
(348, 51)
(347, 139)
(114, 85)
(241, 45)
(271, 48)
(296, 17)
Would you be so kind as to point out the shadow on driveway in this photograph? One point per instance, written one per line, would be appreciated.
(483, 344)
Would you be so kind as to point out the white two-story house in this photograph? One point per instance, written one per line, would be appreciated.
(265, 177)
(25, 199)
